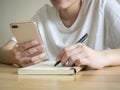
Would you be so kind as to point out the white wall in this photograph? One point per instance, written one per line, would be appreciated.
(118, 1)
(16, 11)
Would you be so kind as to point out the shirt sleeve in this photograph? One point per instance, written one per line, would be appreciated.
(13, 39)
(112, 24)
(40, 13)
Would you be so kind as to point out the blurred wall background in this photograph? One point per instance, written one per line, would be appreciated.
(16, 11)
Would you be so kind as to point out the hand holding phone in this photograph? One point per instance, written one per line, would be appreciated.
(30, 49)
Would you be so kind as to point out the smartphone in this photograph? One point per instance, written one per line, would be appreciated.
(26, 31)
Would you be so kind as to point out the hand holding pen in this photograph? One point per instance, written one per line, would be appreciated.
(82, 40)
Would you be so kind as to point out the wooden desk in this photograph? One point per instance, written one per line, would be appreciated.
(106, 79)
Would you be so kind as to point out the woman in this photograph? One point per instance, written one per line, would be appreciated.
(64, 24)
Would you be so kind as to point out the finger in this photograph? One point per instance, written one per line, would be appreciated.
(80, 45)
(80, 59)
(70, 53)
(24, 62)
(27, 45)
(73, 58)
(71, 47)
(25, 65)
(65, 50)
(70, 62)
(33, 50)
(77, 62)
(59, 57)
(27, 61)
(15, 50)
(39, 57)
(63, 61)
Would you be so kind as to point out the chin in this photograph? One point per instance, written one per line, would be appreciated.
(60, 7)
(59, 4)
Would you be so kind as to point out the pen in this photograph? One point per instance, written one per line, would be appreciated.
(83, 39)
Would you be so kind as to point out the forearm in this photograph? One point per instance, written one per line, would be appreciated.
(113, 57)
(6, 54)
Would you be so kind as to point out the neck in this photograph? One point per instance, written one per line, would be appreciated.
(69, 15)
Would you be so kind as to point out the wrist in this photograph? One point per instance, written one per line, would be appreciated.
(105, 58)
(112, 57)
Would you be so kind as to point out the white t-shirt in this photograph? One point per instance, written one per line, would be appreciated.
(99, 18)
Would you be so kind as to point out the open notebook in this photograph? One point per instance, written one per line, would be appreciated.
(47, 67)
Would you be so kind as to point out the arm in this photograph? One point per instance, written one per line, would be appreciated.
(80, 54)
(25, 54)
(6, 54)
(113, 57)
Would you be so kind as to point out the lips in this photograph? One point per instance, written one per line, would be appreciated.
(57, 1)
